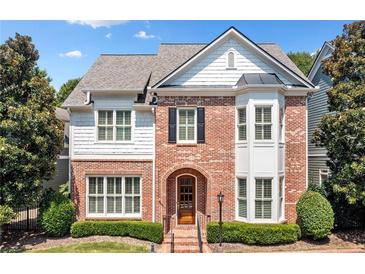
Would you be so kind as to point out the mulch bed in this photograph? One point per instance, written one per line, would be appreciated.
(341, 241)
(35, 240)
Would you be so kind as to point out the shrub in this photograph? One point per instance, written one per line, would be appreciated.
(315, 215)
(57, 219)
(260, 234)
(6, 214)
(137, 229)
(49, 196)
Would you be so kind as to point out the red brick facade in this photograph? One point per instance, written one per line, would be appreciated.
(81, 169)
(295, 153)
(212, 163)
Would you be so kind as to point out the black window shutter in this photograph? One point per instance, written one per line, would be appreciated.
(201, 125)
(172, 125)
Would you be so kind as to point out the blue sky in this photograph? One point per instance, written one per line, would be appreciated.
(67, 49)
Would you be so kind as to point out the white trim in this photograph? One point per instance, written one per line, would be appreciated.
(154, 168)
(196, 197)
(319, 59)
(123, 195)
(306, 144)
(178, 141)
(323, 171)
(141, 157)
(220, 38)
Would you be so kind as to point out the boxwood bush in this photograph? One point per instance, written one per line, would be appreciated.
(137, 229)
(315, 215)
(56, 220)
(259, 234)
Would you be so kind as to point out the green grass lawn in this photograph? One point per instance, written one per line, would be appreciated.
(102, 247)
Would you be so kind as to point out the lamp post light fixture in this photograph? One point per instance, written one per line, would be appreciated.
(220, 197)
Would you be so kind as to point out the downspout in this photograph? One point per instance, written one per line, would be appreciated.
(154, 168)
(306, 141)
(69, 150)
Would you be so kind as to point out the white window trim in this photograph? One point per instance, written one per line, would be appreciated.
(234, 61)
(323, 172)
(237, 124)
(113, 215)
(178, 141)
(272, 124)
(96, 115)
(238, 218)
(263, 220)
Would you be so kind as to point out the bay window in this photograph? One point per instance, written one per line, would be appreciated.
(263, 198)
(241, 124)
(263, 123)
(109, 196)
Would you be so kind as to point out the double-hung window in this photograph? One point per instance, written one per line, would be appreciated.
(241, 124)
(263, 199)
(114, 125)
(242, 197)
(113, 196)
(105, 125)
(323, 176)
(263, 123)
(123, 125)
(186, 125)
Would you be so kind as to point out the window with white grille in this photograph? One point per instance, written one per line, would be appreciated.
(105, 125)
(186, 125)
(242, 197)
(263, 199)
(114, 196)
(263, 123)
(114, 125)
(241, 124)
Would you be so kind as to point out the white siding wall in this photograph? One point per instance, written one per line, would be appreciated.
(260, 159)
(211, 69)
(83, 126)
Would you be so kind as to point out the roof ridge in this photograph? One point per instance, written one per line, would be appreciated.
(267, 43)
(128, 54)
(183, 43)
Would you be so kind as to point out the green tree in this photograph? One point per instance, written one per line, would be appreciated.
(65, 90)
(342, 131)
(30, 135)
(303, 60)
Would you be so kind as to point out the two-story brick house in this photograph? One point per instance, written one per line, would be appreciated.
(157, 137)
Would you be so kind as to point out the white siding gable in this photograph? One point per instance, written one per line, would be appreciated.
(211, 69)
(84, 144)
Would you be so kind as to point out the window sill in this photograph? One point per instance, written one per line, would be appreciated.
(231, 68)
(114, 142)
(186, 144)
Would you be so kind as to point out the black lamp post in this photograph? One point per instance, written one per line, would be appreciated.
(220, 197)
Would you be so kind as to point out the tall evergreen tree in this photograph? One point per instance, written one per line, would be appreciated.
(342, 131)
(303, 60)
(30, 135)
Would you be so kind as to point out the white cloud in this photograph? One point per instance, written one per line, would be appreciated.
(109, 35)
(71, 54)
(97, 23)
(143, 35)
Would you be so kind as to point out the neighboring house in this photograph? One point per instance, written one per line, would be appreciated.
(318, 170)
(157, 137)
(62, 167)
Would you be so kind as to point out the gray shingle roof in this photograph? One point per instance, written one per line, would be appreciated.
(133, 71)
(258, 79)
(113, 72)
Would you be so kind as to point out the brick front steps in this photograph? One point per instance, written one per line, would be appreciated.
(185, 240)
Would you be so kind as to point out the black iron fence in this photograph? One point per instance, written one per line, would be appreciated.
(26, 219)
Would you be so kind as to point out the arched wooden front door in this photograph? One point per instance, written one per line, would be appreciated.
(186, 199)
